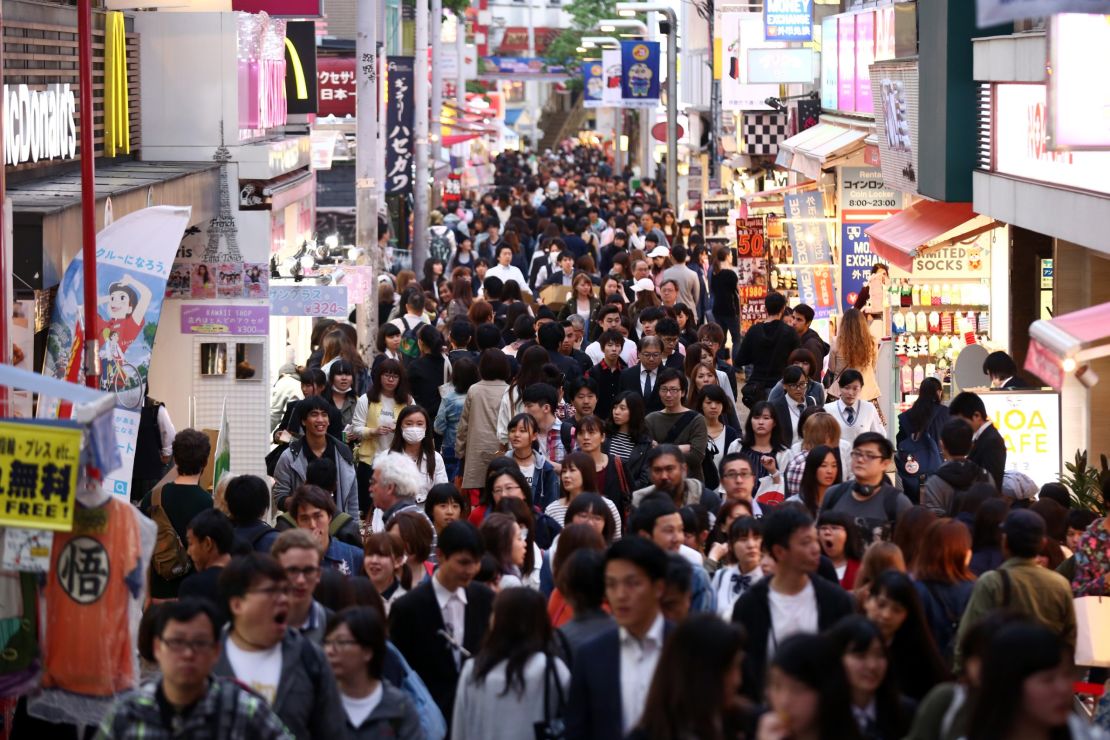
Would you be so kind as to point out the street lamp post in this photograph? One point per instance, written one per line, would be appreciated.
(629, 8)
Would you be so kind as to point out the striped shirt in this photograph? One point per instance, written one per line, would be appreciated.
(557, 510)
(621, 445)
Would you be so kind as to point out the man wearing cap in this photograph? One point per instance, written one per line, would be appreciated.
(1020, 584)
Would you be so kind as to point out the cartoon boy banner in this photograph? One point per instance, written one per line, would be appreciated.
(640, 74)
(134, 256)
(593, 83)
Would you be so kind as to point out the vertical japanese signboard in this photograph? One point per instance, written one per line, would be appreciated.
(808, 234)
(640, 78)
(864, 201)
(399, 123)
(788, 20)
(593, 82)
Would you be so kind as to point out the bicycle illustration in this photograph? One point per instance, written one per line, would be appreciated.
(123, 379)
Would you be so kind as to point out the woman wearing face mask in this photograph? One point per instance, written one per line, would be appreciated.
(415, 440)
(341, 392)
(612, 479)
(895, 608)
(880, 711)
(384, 563)
(841, 543)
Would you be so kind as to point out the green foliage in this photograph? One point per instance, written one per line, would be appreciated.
(585, 15)
(563, 48)
(458, 7)
(1086, 484)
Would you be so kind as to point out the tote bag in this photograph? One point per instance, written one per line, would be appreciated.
(1092, 642)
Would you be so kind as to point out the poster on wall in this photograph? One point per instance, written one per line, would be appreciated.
(218, 279)
(1029, 421)
(809, 238)
(993, 12)
(894, 86)
(399, 124)
(640, 77)
(593, 82)
(134, 257)
(751, 267)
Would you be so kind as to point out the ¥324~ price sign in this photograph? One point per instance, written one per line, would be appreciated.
(308, 300)
(38, 474)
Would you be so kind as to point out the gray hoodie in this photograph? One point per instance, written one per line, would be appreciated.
(292, 467)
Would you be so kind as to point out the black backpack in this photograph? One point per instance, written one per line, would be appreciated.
(917, 458)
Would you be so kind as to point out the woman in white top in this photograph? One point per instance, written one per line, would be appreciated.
(762, 446)
(854, 414)
(501, 693)
(854, 347)
(741, 557)
(416, 441)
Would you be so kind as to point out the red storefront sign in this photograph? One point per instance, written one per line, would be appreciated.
(280, 8)
(336, 76)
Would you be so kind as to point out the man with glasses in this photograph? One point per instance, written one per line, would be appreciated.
(738, 481)
(313, 510)
(278, 663)
(299, 555)
(643, 377)
(790, 406)
(677, 425)
(869, 499)
(188, 701)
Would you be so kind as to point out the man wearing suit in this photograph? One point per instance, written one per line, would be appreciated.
(444, 619)
(988, 449)
(550, 337)
(643, 377)
(794, 600)
(1003, 372)
(789, 408)
(613, 671)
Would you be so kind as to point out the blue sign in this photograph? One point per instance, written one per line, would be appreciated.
(308, 300)
(640, 74)
(593, 82)
(856, 259)
(788, 20)
(809, 239)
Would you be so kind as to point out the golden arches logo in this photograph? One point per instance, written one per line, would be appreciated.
(298, 71)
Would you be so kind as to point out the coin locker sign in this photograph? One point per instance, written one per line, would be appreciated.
(38, 475)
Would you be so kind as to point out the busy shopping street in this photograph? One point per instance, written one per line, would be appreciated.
(554, 370)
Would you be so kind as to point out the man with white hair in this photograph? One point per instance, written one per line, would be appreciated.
(393, 488)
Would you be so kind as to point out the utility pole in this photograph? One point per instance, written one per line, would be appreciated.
(366, 165)
(460, 50)
(420, 180)
(532, 88)
(436, 128)
(672, 109)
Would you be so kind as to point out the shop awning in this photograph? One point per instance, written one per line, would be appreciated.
(901, 237)
(819, 148)
(458, 139)
(1062, 344)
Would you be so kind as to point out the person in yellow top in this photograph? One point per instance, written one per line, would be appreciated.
(374, 421)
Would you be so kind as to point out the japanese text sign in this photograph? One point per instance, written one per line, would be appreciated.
(1029, 421)
(308, 300)
(38, 474)
(788, 20)
(640, 74)
(336, 86)
(809, 237)
(399, 126)
(237, 320)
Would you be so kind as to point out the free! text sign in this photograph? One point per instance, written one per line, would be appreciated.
(38, 474)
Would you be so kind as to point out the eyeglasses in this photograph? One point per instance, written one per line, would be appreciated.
(651, 355)
(293, 572)
(395, 376)
(668, 391)
(869, 457)
(738, 474)
(338, 643)
(800, 386)
(179, 645)
(272, 591)
(505, 489)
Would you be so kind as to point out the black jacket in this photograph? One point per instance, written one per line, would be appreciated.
(766, 347)
(630, 381)
(812, 341)
(989, 453)
(753, 612)
(425, 378)
(415, 621)
(608, 386)
(785, 420)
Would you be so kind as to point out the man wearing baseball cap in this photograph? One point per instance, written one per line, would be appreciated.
(1021, 584)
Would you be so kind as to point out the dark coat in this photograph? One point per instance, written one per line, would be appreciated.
(784, 420)
(989, 453)
(630, 381)
(608, 386)
(425, 378)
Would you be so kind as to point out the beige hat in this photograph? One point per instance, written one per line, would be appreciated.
(643, 284)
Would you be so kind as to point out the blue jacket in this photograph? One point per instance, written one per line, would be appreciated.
(544, 482)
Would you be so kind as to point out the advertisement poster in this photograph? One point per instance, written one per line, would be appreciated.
(134, 256)
(1030, 423)
(737, 33)
(809, 238)
(751, 268)
(336, 89)
(846, 70)
(611, 68)
(640, 74)
(856, 259)
(253, 280)
(399, 122)
(593, 82)
(229, 280)
(788, 20)
(865, 55)
(207, 318)
(993, 12)
(865, 200)
(520, 68)
(41, 461)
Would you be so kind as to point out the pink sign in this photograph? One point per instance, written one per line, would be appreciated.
(846, 50)
(225, 319)
(865, 55)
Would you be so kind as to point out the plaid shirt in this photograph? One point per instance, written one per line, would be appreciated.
(228, 711)
(553, 442)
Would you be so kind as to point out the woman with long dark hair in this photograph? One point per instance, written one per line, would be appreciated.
(822, 470)
(523, 432)
(464, 373)
(626, 437)
(416, 441)
(501, 694)
(462, 295)
(762, 445)
(526, 518)
(577, 476)
(428, 371)
(895, 608)
(943, 580)
(502, 538)
(581, 300)
(927, 415)
(714, 404)
(695, 692)
(512, 403)
(341, 390)
(613, 481)
(880, 711)
(375, 421)
(807, 693)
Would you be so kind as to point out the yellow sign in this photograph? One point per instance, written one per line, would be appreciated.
(38, 475)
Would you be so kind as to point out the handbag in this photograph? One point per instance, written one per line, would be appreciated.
(1092, 639)
(551, 727)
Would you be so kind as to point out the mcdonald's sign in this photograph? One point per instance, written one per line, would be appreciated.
(300, 67)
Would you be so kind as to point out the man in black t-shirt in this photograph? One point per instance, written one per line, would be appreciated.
(210, 537)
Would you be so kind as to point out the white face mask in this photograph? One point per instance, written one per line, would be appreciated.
(414, 434)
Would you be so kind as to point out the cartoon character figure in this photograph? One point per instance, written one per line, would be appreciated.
(111, 357)
(127, 302)
(639, 80)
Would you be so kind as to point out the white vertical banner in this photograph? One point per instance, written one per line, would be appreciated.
(611, 70)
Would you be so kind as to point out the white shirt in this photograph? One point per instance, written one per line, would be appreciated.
(692, 556)
(414, 322)
(166, 432)
(791, 615)
(509, 272)
(638, 661)
(980, 430)
(259, 669)
(654, 378)
(795, 413)
(628, 354)
(726, 595)
(359, 709)
(452, 604)
(867, 420)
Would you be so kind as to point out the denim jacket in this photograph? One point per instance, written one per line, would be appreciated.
(447, 418)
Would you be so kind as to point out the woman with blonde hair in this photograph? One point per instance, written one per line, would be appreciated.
(854, 347)
(818, 427)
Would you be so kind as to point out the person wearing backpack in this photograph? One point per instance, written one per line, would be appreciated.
(918, 457)
(943, 489)
(441, 239)
(172, 507)
(248, 504)
(410, 322)
(869, 498)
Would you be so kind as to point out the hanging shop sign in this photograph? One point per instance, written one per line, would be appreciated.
(1029, 421)
(308, 300)
(895, 88)
(1021, 146)
(206, 318)
(300, 67)
(521, 68)
(1077, 100)
(640, 74)
(959, 261)
(993, 12)
(39, 124)
(611, 69)
(38, 470)
(735, 35)
(780, 65)
(850, 43)
(134, 256)
(336, 90)
(593, 83)
(788, 20)
(864, 200)
(400, 119)
(809, 238)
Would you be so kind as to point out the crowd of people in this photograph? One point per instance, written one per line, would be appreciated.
(569, 498)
